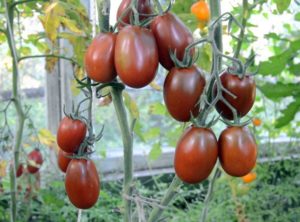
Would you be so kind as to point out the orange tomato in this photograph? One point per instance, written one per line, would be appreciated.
(256, 121)
(249, 177)
(201, 10)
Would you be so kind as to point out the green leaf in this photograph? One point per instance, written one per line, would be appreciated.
(25, 50)
(155, 151)
(297, 17)
(131, 106)
(152, 133)
(288, 114)
(275, 64)
(282, 5)
(157, 109)
(279, 90)
(295, 69)
(138, 130)
(295, 45)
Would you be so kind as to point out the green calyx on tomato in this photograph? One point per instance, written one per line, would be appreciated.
(125, 12)
(70, 134)
(244, 91)
(172, 36)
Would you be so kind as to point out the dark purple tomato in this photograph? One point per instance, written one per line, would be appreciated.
(196, 154)
(237, 151)
(99, 58)
(143, 7)
(136, 56)
(182, 90)
(244, 89)
(170, 34)
(82, 183)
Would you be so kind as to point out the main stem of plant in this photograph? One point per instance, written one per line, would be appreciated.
(127, 137)
(18, 106)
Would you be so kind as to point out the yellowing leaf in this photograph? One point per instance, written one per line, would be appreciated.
(3, 164)
(46, 137)
(71, 25)
(50, 23)
(74, 88)
(155, 86)
(131, 106)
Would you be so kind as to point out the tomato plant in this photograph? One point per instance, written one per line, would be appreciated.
(99, 58)
(70, 134)
(182, 90)
(196, 154)
(144, 7)
(82, 183)
(63, 160)
(243, 88)
(171, 35)
(201, 10)
(34, 161)
(237, 151)
(136, 56)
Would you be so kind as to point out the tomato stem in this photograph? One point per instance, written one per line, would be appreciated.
(245, 18)
(127, 139)
(171, 192)
(21, 117)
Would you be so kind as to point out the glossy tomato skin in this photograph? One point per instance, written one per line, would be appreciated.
(196, 154)
(237, 151)
(20, 170)
(63, 160)
(36, 157)
(82, 183)
(182, 90)
(143, 7)
(170, 34)
(70, 134)
(99, 58)
(244, 89)
(136, 56)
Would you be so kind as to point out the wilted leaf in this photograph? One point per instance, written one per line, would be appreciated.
(155, 151)
(71, 25)
(3, 164)
(138, 130)
(50, 63)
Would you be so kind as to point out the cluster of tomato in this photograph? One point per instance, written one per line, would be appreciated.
(82, 182)
(133, 54)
